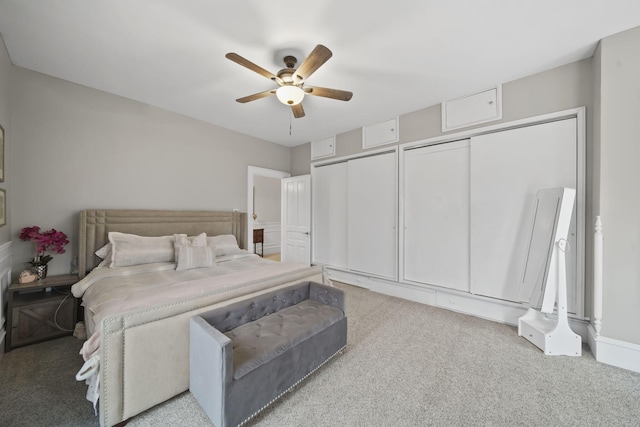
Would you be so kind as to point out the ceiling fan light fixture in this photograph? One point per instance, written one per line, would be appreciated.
(290, 95)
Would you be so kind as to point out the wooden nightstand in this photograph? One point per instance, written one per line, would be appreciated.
(40, 310)
(258, 237)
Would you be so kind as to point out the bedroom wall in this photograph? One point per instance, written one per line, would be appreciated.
(5, 234)
(5, 84)
(300, 160)
(619, 108)
(267, 198)
(558, 89)
(76, 148)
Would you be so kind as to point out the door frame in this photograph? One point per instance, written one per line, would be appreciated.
(253, 171)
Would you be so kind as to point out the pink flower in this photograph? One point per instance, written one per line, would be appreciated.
(30, 233)
(51, 240)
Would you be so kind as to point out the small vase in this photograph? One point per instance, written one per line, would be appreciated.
(41, 271)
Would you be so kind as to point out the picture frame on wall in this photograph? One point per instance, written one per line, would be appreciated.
(1, 154)
(3, 207)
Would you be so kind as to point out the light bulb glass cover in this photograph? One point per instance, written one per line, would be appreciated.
(290, 95)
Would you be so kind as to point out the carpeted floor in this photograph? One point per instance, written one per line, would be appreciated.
(406, 364)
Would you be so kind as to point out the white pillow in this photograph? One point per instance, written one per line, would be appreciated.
(183, 240)
(195, 257)
(199, 240)
(104, 252)
(131, 249)
(225, 244)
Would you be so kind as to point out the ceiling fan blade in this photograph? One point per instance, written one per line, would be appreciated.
(341, 95)
(250, 65)
(318, 56)
(298, 111)
(256, 96)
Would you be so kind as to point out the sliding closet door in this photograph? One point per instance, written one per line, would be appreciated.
(372, 215)
(436, 215)
(507, 169)
(329, 235)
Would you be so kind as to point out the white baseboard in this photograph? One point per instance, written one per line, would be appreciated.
(614, 352)
(463, 302)
(605, 350)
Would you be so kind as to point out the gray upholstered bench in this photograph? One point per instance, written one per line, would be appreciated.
(245, 355)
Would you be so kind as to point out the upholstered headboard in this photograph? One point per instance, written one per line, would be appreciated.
(95, 225)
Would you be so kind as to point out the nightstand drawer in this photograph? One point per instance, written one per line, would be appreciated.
(40, 310)
(50, 317)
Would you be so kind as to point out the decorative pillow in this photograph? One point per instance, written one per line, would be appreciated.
(131, 249)
(199, 240)
(183, 240)
(104, 252)
(195, 257)
(225, 244)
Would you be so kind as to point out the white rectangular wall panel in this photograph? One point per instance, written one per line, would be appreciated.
(329, 194)
(380, 134)
(507, 170)
(323, 148)
(372, 215)
(469, 110)
(436, 215)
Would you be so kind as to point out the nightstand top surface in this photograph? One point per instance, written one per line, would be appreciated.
(50, 281)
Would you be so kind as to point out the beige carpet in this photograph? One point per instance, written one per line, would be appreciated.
(406, 364)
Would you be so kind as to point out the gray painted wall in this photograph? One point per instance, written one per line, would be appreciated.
(300, 160)
(5, 233)
(558, 89)
(5, 84)
(619, 143)
(75, 148)
(267, 198)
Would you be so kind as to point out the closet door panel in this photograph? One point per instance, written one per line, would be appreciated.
(329, 235)
(372, 215)
(436, 215)
(507, 169)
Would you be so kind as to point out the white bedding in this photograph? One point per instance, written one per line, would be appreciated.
(108, 291)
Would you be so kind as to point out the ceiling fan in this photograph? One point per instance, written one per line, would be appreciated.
(291, 81)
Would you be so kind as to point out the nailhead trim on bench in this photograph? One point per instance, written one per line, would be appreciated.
(290, 388)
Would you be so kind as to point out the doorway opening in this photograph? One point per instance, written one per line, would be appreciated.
(264, 216)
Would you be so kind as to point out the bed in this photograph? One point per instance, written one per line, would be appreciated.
(141, 343)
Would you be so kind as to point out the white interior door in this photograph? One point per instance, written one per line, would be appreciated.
(329, 218)
(507, 170)
(296, 219)
(436, 215)
(372, 215)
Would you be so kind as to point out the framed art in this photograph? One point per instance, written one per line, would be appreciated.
(1, 154)
(3, 207)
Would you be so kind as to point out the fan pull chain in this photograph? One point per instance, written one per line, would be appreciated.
(290, 127)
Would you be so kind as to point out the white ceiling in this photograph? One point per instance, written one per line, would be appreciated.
(396, 57)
